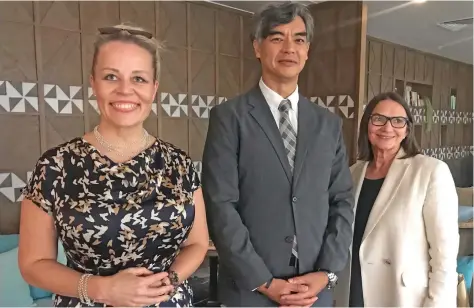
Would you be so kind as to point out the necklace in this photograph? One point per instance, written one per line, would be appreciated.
(118, 148)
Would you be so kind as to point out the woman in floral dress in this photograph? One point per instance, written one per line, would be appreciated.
(126, 206)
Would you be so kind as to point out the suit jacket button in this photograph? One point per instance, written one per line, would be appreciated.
(289, 239)
(295, 199)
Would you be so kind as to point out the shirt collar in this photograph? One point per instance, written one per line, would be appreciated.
(274, 99)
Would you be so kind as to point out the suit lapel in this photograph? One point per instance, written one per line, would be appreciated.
(264, 117)
(387, 192)
(306, 123)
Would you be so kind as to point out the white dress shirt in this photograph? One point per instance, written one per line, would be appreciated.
(274, 99)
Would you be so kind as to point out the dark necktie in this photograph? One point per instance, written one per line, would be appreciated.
(288, 135)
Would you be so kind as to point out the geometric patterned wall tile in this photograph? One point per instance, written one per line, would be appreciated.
(198, 167)
(202, 104)
(11, 186)
(18, 96)
(459, 117)
(436, 116)
(174, 105)
(451, 117)
(64, 99)
(449, 153)
(222, 99)
(344, 103)
(92, 99)
(444, 116)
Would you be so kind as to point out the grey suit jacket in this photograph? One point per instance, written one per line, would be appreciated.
(255, 205)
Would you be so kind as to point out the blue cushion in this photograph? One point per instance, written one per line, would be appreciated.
(465, 213)
(466, 267)
(14, 291)
(8, 242)
(37, 293)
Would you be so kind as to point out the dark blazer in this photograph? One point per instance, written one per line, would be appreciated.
(254, 204)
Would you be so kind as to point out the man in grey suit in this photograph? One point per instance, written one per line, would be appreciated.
(276, 180)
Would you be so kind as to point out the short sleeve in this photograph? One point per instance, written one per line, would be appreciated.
(41, 188)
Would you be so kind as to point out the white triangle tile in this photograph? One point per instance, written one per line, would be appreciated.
(222, 99)
(90, 92)
(53, 103)
(329, 100)
(12, 92)
(167, 109)
(184, 108)
(154, 108)
(94, 105)
(193, 98)
(341, 98)
(320, 101)
(5, 102)
(176, 113)
(350, 102)
(3, 176)
(27, 86)
(33, 101)
(20, 198)
(17, 182)
(345, 111)
(48, 88)
(61, 95)
(209, 100)
(20, 106)
(202, 102)
(163, 96)
(67, 109)
(205, 114)
(313, 99)
(28, 175)
(196, 110)
(79, 103)
(172, 101)
(332, 109)
(8, 192)
(73, 90)
(181, 97)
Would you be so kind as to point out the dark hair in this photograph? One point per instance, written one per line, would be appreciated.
(130, 34)
(409, 144)
(274, 15)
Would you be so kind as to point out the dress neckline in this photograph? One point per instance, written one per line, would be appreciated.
(141, 154)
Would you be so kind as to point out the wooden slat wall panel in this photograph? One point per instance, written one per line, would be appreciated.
(336, 51)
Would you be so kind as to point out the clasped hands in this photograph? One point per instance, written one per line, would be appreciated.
(137, 287)
(299, 291)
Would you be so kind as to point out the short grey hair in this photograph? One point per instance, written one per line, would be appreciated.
(274, 15)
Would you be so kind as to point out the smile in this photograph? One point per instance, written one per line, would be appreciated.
(125, 106)
(385, 137)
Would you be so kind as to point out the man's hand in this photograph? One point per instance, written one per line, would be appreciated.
(315, 282)
(280, 287)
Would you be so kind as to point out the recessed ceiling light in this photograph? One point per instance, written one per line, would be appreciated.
(419, 1)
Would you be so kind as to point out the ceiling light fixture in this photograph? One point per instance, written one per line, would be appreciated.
(419, 1)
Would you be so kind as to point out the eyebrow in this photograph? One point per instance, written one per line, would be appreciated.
(117, 71)
(273, 32)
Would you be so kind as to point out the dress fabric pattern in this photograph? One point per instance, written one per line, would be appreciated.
(113, 216)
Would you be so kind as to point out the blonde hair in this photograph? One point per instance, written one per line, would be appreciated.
(135, 36)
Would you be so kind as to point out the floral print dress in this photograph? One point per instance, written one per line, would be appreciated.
(112, 216)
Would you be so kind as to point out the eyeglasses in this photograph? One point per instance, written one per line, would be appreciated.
(381, 120)
(115, 30)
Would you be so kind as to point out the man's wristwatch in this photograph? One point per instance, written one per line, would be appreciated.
(332, 279)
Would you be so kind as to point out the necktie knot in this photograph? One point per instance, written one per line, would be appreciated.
(285, 105)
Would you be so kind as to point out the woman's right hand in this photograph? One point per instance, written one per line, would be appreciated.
(134, 287)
